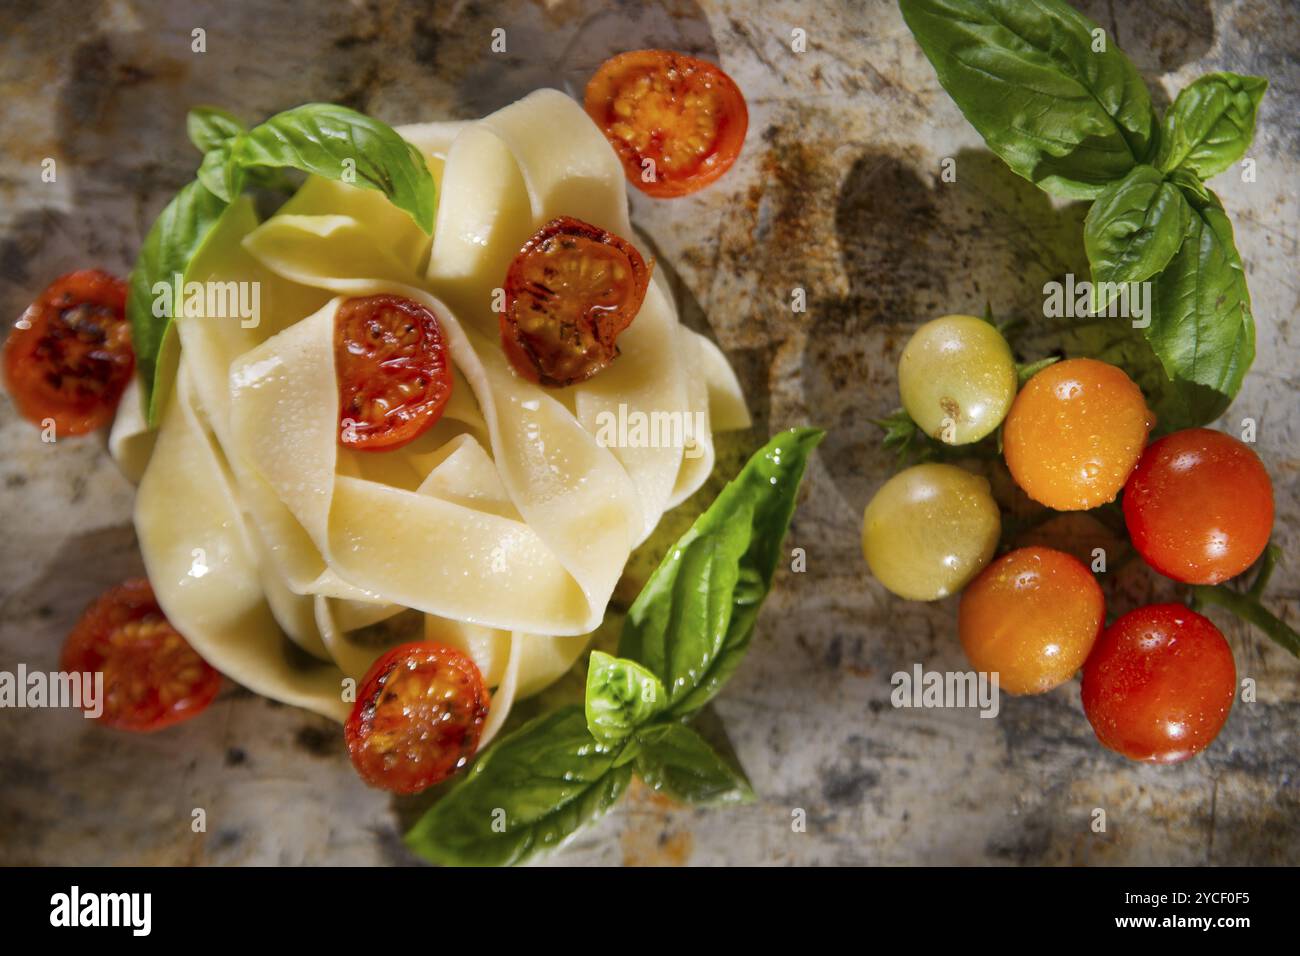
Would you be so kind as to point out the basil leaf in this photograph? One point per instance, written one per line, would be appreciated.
(676, 760)
(175, 237)
(214, 132)
(331, 141)
(219, 175)
(209, 127)
(695, 616)
(1201, 327)
(1133, 230)
(679, 622)
(1211, 124)
(621, 696)
(528, 792)
(1024, 73)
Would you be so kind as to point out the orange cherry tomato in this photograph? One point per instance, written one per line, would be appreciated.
(1032, 616)
(152, 677)
(1159, 684)
(1074, 433)
(677, 123)
(1199, 506)
(69, 358)
(418, 717)
(570, 293)
(393, 370)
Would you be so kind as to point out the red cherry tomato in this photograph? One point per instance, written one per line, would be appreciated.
(677, 123)
(152, 677)
(570, 293)
(418, 717)
(69, 358)
(1199, 506)
(1159, 684)
(393, 371)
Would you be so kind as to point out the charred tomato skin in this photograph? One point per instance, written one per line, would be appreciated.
(569, 293)
(69, 357)
(418, 717)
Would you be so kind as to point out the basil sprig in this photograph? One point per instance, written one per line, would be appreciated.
(682, 639)
(319, 138)
(1056, 99)
(1028, 76)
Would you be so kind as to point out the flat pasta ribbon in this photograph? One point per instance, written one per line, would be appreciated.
(507, 525)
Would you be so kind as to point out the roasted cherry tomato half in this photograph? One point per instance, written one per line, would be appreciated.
(570, 293)
(152, 677)
(394, 371)
(1199, 506)
(677, 123)
(69, 357)
(418, 717)
(1074, 434)
(1032, 616)
(1159, 684)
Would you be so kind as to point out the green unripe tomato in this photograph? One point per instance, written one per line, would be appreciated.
(957, 378)
(929, 530)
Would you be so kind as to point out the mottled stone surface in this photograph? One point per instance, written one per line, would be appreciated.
(838, 193)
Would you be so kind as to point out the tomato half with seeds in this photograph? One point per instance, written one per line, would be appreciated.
(1199, 506)
(69, 356)
(393, 369)
(418, 717)
(676, 123)
(1159, 684)
(152, 677)
(571, 291)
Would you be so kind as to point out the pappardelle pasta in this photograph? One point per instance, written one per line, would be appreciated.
(396, 442)
(506, 525)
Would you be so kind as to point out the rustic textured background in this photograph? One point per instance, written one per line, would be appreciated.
(837, 192)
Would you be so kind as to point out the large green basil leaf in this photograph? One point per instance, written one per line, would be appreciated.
(1201, 328)
(175, 237)
(1133, 229)
(1211, 124)
(1026, 76)
(528, 792)
(677, 761)
(341, 144)
(695, 616)
(621, 696)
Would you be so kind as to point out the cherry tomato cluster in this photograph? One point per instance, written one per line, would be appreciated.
(1198, 506)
